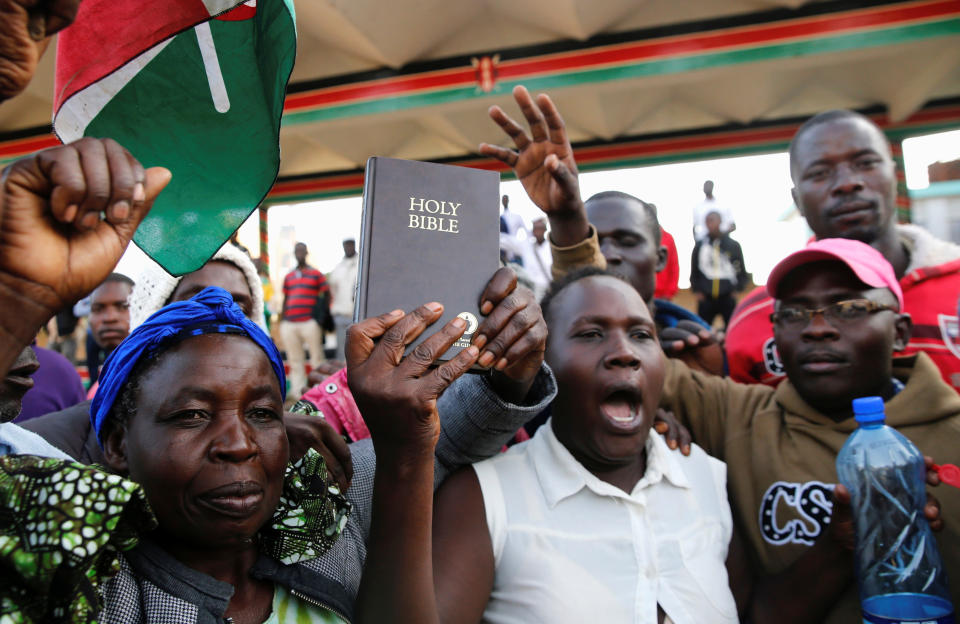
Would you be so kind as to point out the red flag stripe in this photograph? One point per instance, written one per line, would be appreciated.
(109, 33)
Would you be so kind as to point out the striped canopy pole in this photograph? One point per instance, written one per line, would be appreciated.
(903, 196)
(264, 240)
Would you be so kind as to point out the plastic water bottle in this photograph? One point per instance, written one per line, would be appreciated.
(899, 570)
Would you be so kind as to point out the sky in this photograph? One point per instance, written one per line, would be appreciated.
(756, 188)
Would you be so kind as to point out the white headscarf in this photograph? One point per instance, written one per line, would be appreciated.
(154, 286)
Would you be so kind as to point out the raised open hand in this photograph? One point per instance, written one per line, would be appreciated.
(25, 26)
(543, 160)
(397, 395)
(55, 247)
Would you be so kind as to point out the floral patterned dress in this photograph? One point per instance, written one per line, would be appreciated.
(63, 526)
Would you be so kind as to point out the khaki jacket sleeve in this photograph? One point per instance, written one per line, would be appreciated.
(585, 253)
(711, 407)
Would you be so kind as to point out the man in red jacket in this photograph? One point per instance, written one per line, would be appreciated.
(668, 279)
(845, 185)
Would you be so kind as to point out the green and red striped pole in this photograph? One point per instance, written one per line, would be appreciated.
(264, 240)
(903, 195)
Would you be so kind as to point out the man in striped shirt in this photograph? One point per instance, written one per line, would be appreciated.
(303, 288)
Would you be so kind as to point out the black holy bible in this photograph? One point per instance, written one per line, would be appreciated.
(430, 233)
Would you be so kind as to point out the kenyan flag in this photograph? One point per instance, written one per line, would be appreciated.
(195, 86)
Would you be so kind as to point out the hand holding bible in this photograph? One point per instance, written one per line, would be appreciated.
(512, 336)
(397, 395)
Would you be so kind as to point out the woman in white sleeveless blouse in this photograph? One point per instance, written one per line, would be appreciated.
(594, 520)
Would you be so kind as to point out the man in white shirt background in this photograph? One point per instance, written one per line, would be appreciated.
(532, 252)
(708, 205)
(511, 223)
(343, 288)
(537, 258)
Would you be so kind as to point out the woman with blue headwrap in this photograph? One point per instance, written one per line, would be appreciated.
(212, 522)
(189, 409)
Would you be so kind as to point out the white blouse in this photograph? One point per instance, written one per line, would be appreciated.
(569, 547)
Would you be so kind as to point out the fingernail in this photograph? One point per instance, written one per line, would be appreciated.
(37, 26)
(433, 306)
(395, 313)
(672, 444)
(486, 359)
(686, 449)
(459, 323)
(472, 351)
(121, 210)
(502, 364)
(70, 213)
(89, 220)
(480, 340)
(138, 193)
(486, 308)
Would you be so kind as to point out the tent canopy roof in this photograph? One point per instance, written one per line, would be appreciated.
(414, 79)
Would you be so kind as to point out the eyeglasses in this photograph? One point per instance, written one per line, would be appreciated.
(840, 313)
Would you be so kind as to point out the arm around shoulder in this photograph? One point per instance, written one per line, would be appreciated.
(708, 405)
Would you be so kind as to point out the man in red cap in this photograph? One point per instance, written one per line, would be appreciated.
(837, 323)
(845, 185)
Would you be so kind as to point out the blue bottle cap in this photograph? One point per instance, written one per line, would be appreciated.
(868, 410)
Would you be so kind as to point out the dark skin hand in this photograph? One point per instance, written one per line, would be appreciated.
(320, 373)
(517, 338)
(512, 336)
(54, 246)
(398, 395)
(398, 398)
(774, 599)
(697, 347)
(544, 163)
(306, 432)
(25, 28)
(674, 433)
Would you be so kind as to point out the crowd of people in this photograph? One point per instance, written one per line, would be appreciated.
(717, 269)
(604, 467)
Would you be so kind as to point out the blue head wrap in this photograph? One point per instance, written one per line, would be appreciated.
(211, 311)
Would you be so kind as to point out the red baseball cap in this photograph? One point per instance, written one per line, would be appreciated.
(867, 264)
